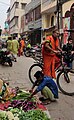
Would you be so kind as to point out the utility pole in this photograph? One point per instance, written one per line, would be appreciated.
(58, 13)
(59, 19)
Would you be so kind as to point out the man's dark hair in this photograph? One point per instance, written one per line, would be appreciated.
(14, 37)
(38, 74)
(56, 29)
(9, 38)
(69, 38)
(43, 38)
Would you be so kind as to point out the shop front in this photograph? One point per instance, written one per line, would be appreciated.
(48, 31)
(35, 36)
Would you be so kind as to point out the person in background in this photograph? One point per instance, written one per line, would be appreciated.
(47, 86)
(28, 44)
(69, 52)
(9, 44)
(22, 45)
(66, 33)
(49, 51)
(15, 47)
(43, 40)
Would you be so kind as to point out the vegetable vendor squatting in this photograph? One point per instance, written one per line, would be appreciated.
(46, 85)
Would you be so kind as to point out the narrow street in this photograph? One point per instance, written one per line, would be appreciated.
(17, 75)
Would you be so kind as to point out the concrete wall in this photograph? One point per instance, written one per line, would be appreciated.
(14, 29)
(21, 1)
(48, 4)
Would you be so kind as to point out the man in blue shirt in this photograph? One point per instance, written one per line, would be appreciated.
(46, 85)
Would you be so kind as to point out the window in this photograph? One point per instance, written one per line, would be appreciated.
(16, 20)
(26, 19)
(23, 5)
(52, 21)
(29, 17)
(17, 5)
(38, 13)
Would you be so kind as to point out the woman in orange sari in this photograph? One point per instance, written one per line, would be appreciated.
(50, 49)
(22, 45)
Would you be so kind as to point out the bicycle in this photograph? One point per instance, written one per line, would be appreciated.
(37, 66)
(64, 79)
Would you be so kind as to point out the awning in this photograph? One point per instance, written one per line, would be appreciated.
(48, 29)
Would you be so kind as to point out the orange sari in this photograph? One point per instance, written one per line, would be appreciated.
(49, 58)
(22, 45)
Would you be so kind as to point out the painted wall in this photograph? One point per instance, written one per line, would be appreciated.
(66, 6)
(48, 7)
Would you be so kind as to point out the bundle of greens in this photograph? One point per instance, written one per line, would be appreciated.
(22, 96)
(30, 115)
(33, 115)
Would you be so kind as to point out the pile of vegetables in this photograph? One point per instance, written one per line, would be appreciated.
(21, 101)
(24, 105)
(23, 96)
(17, 114)
(7, 115)
(30, 115)
(33, 115)
(3, 115)
(20, 108)
(4, 105)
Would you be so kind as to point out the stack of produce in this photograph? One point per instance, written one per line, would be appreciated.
(17, 114)
(6, 93)
(24, 105)
(22, 95)
(20, 108)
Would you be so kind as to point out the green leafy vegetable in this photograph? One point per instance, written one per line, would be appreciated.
(33, 115)
(3, 115)
(22, 95)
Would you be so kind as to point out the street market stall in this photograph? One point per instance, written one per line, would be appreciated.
(15, 105)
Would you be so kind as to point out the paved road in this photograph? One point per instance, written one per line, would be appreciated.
(17, 75)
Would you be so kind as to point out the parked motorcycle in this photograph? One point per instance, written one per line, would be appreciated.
(5, 58)
(33, 51)
(29, 52)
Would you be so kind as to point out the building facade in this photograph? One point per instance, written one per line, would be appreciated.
(17, 9)
(49, 18)
(6, 24)
(33, 21)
